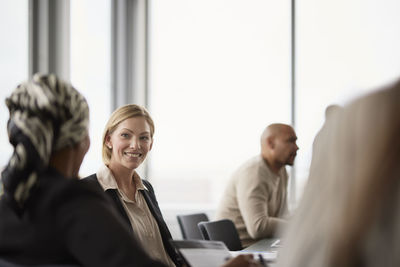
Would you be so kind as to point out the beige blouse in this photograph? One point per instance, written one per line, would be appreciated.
(145, 226)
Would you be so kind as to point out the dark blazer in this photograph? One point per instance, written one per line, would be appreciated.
(67, 221)
(152, 203)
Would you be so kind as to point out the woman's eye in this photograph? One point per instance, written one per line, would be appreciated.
(146, 138)
(125, 135)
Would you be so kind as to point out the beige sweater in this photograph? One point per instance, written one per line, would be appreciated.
(255, 200)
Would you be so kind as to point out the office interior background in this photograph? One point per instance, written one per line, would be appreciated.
(213, 74)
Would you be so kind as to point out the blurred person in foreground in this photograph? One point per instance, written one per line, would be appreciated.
(349, 213)
(49, 216)
(331, 111)
(256, 196)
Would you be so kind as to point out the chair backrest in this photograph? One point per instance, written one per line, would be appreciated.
(188, 224)
(221, 230)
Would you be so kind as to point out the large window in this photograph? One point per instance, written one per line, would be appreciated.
(90, 68)
(345, 48)
(219, 74)
(14, 61)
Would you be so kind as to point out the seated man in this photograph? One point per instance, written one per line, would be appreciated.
(255, 198)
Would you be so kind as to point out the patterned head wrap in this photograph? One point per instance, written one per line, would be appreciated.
(46, 115)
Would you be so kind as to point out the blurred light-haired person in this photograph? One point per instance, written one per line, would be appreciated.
(349, 214)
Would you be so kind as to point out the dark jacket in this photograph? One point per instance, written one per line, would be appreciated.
(152, 203)
(67, 221)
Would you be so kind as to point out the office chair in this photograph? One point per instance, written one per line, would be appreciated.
(222, 230)
(188, 225)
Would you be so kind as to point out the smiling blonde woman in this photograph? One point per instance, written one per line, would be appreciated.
(127, 139)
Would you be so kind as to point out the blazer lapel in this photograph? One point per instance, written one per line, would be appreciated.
(117, 203)
(153, 209)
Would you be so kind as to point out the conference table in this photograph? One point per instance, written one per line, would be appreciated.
(263, 245)
(267, 248)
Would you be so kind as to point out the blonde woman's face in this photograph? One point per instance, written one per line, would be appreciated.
(129, 143)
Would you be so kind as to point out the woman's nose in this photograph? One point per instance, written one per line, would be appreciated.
(134, 144)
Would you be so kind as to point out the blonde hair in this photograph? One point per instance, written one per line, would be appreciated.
(118, 116)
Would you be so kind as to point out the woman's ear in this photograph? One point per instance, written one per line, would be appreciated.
(108, 141)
